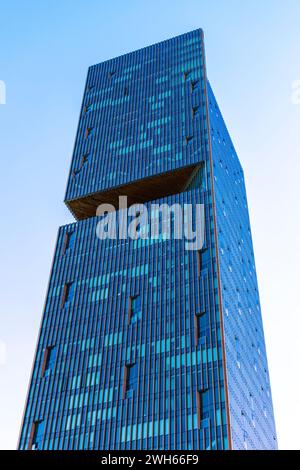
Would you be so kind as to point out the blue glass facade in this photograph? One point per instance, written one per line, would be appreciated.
(143, 344)
(251, 412)
(136, 114)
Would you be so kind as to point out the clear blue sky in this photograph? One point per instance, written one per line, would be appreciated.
(252, 50)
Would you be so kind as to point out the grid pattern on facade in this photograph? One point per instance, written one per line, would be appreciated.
(251, 411)
(137, 350)
(130, 370)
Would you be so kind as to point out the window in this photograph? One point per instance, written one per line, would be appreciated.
(69, 241)
(36, 435)
(68, 294)
(188, 139)
(49, 360)
(84, 159)
(202, 405)
(195, 111)
(135, 309)
(198, 263)
(194, 85)
(89, 131)
(186, 75)
(111, 74)
(200, 324)
(130, 379)
(75, 173)
(88, 108)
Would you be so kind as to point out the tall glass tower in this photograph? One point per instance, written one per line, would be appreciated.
(143, 344)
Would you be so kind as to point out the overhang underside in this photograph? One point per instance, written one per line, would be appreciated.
(137, 192)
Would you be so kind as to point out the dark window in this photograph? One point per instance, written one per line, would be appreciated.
(186, 75)
(131, 379)
(199, 263)
(68, 294)
(69, 240)
(194, 84)
(136, 309)
(88, 108)
(200, 325)
(89, 131)
(37, 437)
(195, 111)
(202, 405)
(75, 173)
(188, 139)
(49, 360)
(84, 159)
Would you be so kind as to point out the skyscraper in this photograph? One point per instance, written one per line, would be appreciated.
(143, 343)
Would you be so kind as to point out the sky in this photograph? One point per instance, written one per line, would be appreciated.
(252, 52)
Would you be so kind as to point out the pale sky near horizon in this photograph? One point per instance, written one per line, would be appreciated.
(252, 52)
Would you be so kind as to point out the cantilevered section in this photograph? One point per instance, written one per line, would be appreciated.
(142, 115)
(139, 191)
